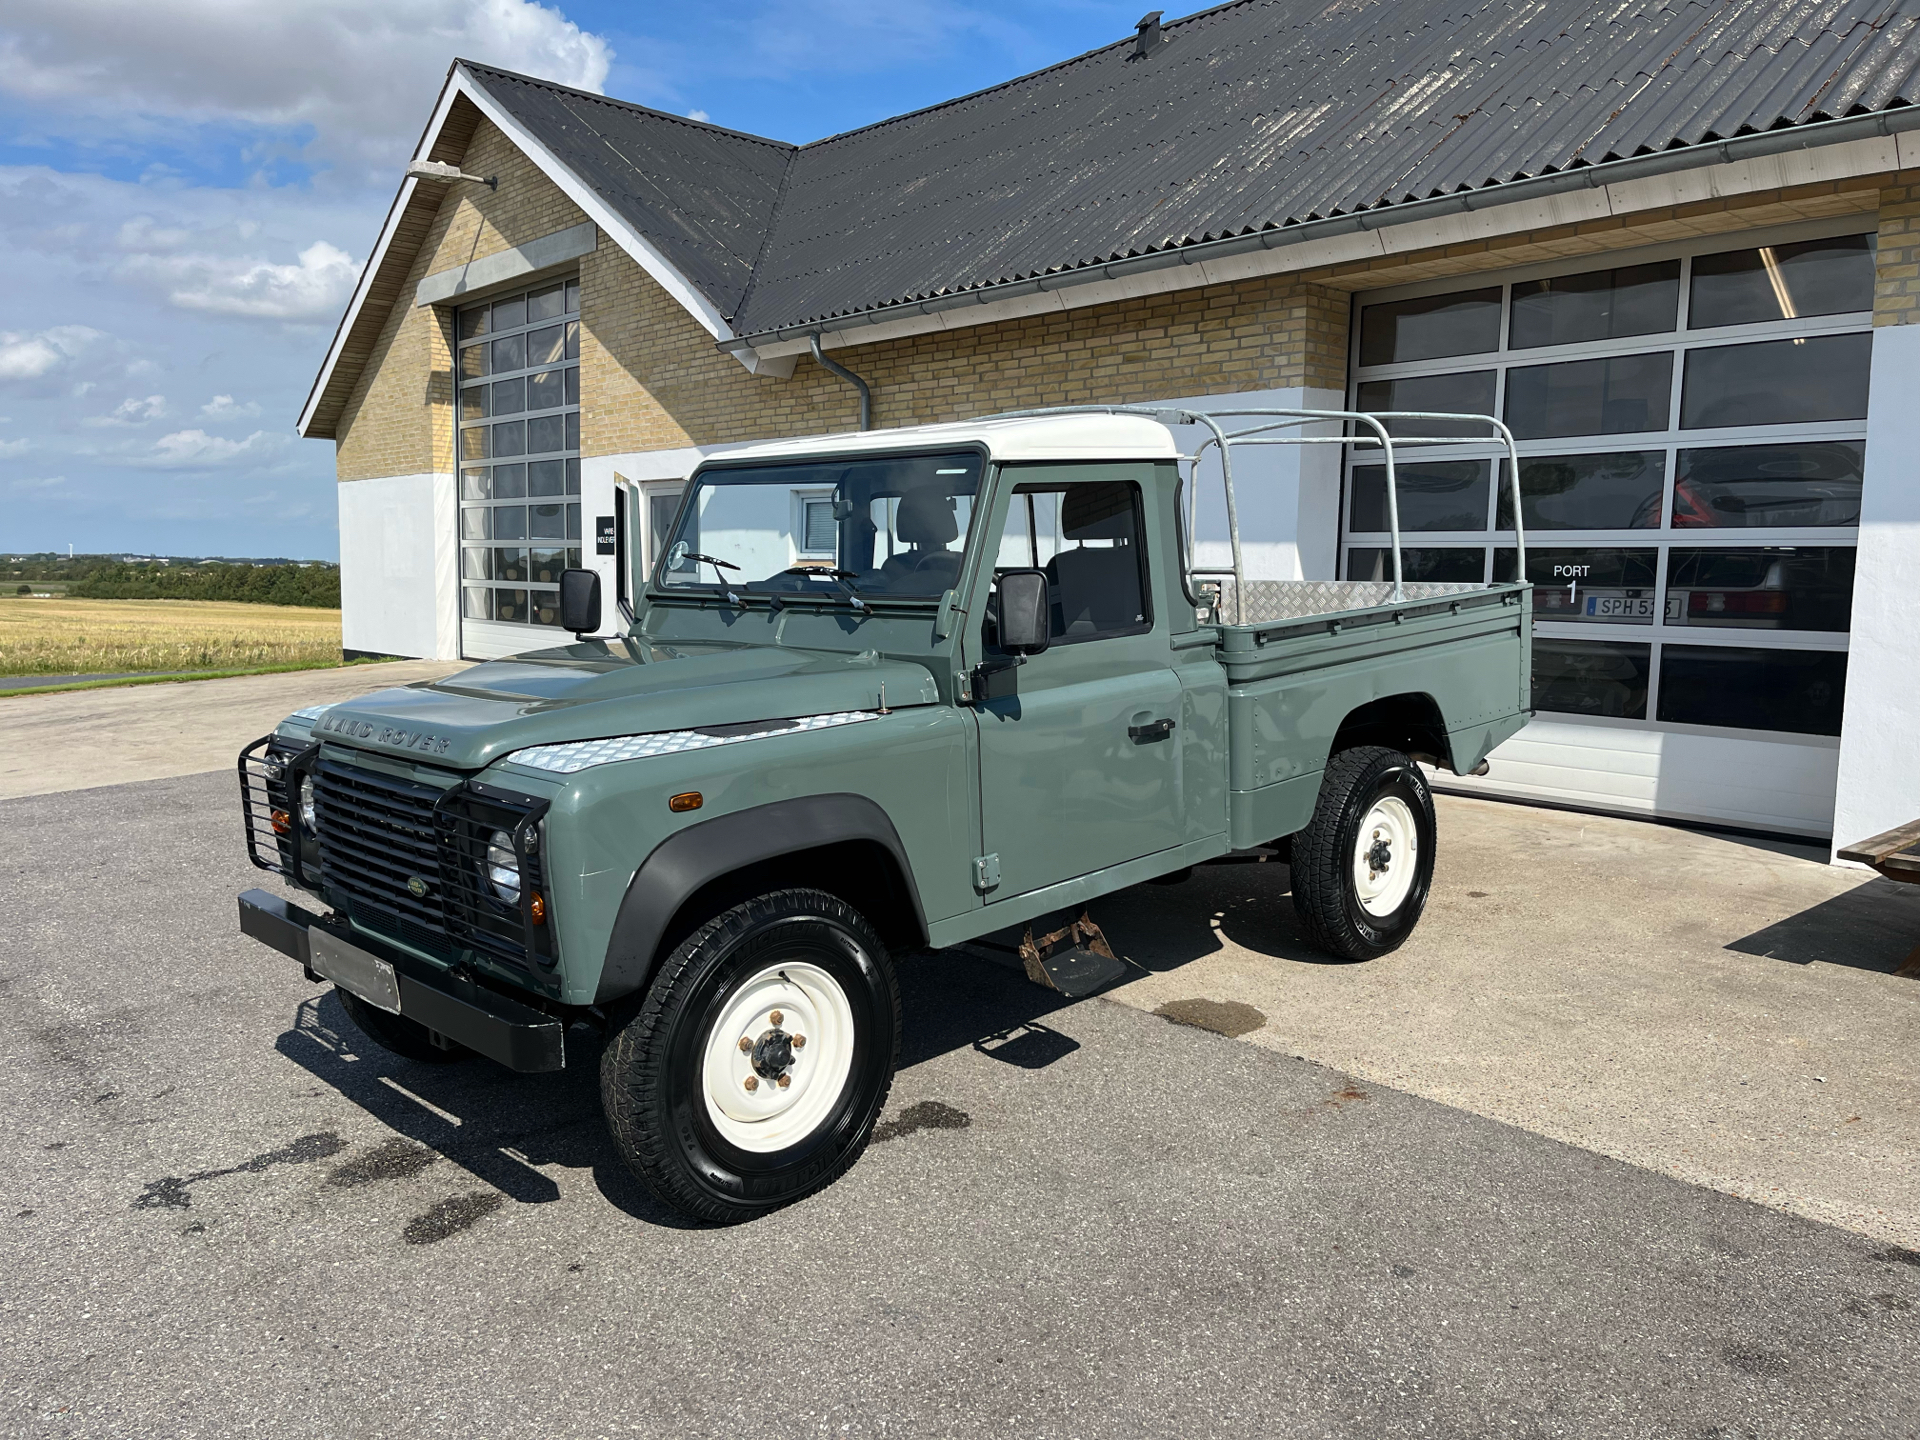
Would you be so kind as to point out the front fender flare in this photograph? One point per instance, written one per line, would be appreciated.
(691, 858)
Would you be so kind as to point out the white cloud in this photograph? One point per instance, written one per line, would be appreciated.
(361, 73)
(315, 288)
(10, 448)
(700, 115)
(30, 356)
(44, 482)
(197, 450)
(225, 407)
(132, 412)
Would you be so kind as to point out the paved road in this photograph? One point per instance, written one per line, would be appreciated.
(81, 738)
(228, 1216)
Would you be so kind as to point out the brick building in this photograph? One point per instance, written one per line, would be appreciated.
(1674, 247)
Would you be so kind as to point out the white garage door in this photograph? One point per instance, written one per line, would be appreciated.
(1691, 423)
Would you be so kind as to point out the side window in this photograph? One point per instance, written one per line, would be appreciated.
(1088, 539)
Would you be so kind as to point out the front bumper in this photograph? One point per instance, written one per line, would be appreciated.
(485, 1021)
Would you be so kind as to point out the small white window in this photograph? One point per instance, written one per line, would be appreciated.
(817, 529)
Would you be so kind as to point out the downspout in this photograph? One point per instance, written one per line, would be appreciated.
(836, 368)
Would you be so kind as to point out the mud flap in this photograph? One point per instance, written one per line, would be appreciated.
(1075, 961)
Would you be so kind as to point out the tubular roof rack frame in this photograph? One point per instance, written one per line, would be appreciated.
(1376, 434)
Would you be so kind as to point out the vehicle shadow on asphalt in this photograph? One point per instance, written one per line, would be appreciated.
(1163, 927)
(502, 1128)
(1875, 926)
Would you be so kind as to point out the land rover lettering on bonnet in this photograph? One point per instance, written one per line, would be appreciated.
(880, 693)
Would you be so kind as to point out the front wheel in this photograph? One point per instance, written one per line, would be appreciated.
(759, 1060)
(1364, 864)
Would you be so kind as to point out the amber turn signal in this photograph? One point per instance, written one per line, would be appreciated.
(690, 800)
(283, 822)
(537, 907)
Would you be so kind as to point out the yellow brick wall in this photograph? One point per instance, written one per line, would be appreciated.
(650, 378)
(1896, 294)
(399, 419)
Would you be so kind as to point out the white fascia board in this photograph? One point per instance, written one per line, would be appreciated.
(360, 288)
(643, 251)
(644, 254)
(1841, 161)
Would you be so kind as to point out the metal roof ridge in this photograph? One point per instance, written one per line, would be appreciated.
(1071, 60)
(474, 66)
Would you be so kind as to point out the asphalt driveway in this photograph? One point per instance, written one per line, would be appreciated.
(227, 1215)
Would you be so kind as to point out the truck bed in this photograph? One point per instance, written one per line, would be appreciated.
(1451, 661)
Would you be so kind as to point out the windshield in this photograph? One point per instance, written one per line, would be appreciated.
(891, 526)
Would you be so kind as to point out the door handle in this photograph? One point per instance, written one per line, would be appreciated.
(1152, 730)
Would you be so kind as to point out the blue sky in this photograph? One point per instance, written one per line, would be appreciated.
(189, 187)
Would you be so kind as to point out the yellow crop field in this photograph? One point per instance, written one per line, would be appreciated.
(58, 636)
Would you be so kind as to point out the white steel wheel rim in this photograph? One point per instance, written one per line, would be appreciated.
(769, 1116)
(1386, 856)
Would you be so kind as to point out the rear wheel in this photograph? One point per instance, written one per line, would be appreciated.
(759, 1060)
(1363, 866)
(407, 1038)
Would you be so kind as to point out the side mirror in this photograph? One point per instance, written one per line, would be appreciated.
(580, 601)
(1025, 610)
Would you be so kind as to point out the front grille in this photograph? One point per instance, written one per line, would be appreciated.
(378, 832)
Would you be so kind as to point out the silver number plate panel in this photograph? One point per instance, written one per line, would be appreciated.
(352, 968)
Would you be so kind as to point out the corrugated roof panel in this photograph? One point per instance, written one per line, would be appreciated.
(703, 195)
(1258, 113)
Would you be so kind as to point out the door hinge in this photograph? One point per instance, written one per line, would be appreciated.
(986, 873)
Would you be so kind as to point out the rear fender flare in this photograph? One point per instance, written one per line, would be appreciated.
(688, 859)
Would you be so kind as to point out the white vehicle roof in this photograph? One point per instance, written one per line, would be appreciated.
(1041, 437)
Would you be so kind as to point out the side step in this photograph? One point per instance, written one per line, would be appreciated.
(1076, 960)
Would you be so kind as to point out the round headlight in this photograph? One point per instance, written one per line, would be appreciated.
(307, 821)
(503, 867)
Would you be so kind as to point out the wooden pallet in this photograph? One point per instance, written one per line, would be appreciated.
(1895, 854)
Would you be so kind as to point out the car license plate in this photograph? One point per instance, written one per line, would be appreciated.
(352, 968)
(1620, 607)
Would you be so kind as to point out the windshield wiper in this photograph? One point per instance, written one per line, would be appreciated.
(718, 579)
(845, 577)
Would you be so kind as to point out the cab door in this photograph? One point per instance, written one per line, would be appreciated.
(1079, 760)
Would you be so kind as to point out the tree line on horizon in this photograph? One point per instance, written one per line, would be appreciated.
(316, 585)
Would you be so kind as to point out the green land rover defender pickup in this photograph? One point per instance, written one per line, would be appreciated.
(880, 692)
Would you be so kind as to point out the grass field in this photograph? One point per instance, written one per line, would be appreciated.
(85, 637)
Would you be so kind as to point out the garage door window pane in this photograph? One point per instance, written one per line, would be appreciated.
(1620, 490)
(1593, 586)
(1777, 382)
(1451, 495)
(1795, 691)
(1459, 565)
(1773, 485)
(1591, 677)
(1600, 305)
(1782, 282)
(1465, 323)
(1621, 395)
(1470, 392)
(509, 396)
(1776, 587)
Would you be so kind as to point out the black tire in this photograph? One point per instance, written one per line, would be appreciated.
(406, 1038)
(1326, 892)
(652, 1083)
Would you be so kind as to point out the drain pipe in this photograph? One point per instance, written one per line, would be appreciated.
(836, 368)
